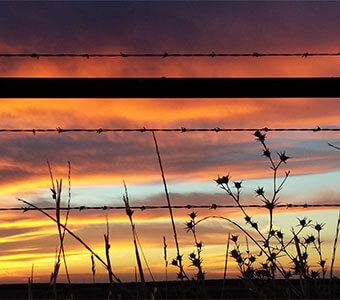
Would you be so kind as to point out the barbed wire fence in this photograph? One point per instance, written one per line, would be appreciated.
(163, 55)
(187, 206)
(180, 130)
(60, 130)
(211, 54)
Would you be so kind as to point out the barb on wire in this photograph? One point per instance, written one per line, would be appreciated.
(187, 206)
(211, 54)
(144, 129)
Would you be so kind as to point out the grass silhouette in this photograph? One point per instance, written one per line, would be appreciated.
(263, 273)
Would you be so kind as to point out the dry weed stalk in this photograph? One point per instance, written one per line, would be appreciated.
(93, 269)
(335, 246)
(73, 235)
(56, 196)
(29, 285)
(108, 260)
(225, 266)
(165, 246)
(129, 213)
(178, 260)
(118, 283)
(196, 260)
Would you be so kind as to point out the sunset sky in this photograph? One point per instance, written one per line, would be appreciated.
(191, 161)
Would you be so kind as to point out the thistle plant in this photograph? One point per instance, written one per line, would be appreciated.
(270, 202)
(195, 258)
(272, 244)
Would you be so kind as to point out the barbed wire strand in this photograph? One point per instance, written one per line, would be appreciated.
(143, 129)
(166, 54)
(187, 206)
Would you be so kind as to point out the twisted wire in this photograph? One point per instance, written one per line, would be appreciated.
(166, 55)
(181, 129)
(187, 206)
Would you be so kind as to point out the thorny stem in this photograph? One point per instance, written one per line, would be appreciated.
(284, 247)
(270, 203)
(196, 241)
(199, 249)
(237, 200)
(318, 249)
(274, 201)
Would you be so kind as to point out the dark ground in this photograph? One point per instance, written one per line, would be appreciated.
(210, 289)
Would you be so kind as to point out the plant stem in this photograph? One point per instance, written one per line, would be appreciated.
(179, 256)
(335, 246)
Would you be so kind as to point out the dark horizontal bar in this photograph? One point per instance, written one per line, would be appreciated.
(169, 87)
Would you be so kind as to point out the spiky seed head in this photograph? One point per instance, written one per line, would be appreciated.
(234, 253)
(259, 191)
(234, 238)
(193, 215)
(279, 234)
(238, 184)
(252, 258)
(222, 180)
(266, 153)
(318, 227)
(260, 137)
(283, 157)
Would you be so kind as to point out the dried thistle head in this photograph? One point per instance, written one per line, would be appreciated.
(279, 234)
(190, 225)
(252, 258)
(266, 153)
(260, 136)
(235, 254)
(304, 222)
(259, 191)
(318, 227)
(238, 184)
(310, 239)
(322, 263)
(234, 238)
(223, 180)
(283, 157)
(174, 262)
(193, 215)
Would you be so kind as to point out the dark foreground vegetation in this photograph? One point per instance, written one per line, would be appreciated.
(212, 289)
(263, 273)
